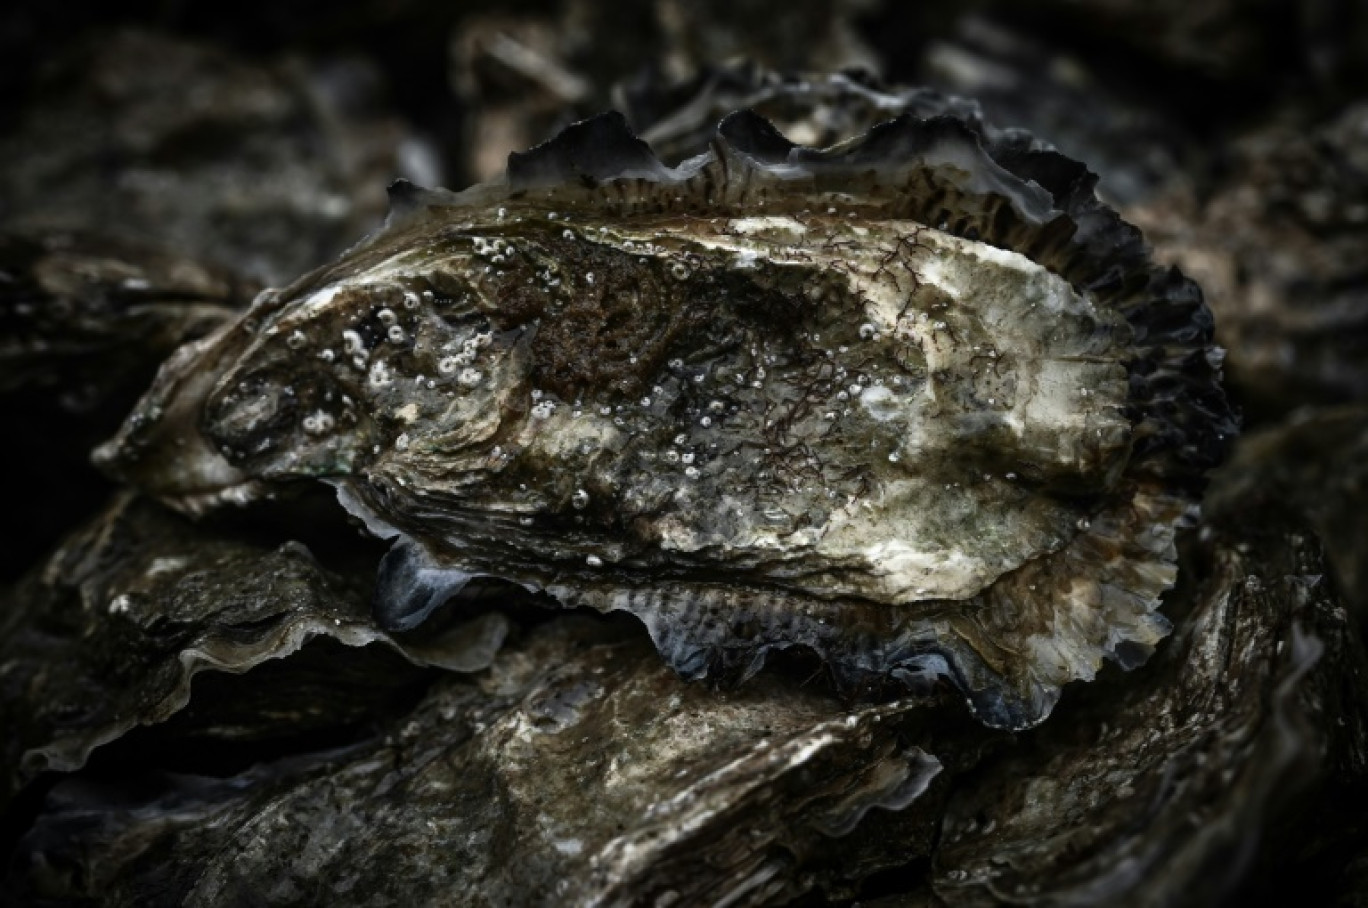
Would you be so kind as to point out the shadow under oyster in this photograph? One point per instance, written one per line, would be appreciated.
(917, 402)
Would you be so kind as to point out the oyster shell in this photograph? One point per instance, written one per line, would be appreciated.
(138, 603)
(85, 320)
(575, 772)
(1278, 245)
(917, 402)
(1241, 747)
(578, 771)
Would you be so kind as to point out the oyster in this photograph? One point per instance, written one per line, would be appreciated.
(577, 771)
(1278, 244)
(85, 320)
(1240, 747)
(138, 603)
(90, 315)
(917, 402)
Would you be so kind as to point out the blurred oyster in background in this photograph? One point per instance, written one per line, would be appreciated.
(1278, 244)
(522, 77)
(85, 320)
(1120, 131)
(264, 169)
(1316, 464)
(90, 317)
(1237, 46)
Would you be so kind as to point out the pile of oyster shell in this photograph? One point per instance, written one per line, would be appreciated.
(791, 488)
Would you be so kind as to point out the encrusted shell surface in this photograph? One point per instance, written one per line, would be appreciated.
(917, 402)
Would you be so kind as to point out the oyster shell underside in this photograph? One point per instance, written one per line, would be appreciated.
(917, 402)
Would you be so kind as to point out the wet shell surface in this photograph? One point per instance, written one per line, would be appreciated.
(917, 402)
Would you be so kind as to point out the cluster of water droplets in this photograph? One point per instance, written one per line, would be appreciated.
(371, 335)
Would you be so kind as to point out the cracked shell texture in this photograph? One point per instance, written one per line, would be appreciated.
(917, 402)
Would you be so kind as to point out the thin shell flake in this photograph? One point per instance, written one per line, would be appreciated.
(917, 402)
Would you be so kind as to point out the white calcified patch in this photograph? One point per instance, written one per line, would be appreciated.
(768, 225)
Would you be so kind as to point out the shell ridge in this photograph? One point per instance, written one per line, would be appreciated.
(603, 150)
(907, 142)
(410, 586)
(407, 199)
(1185, 421)
(598, 149)
(751, 135)
(693, 626)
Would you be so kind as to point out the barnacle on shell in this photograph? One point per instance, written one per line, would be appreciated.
(917, 402)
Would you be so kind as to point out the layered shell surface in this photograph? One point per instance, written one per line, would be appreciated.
(917, 402)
